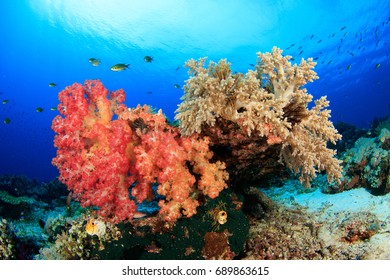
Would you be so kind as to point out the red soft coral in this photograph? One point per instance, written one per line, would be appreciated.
(100, 159)
(92, 147)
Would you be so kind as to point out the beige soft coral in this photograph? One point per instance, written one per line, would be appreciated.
(266, 107)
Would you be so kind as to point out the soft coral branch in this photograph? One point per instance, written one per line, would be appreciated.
(101, 159)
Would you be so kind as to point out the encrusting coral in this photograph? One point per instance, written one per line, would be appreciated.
(260, 121)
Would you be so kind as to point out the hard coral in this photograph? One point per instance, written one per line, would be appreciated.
(366, 165)
(100, 158)
(7, 242)
(259, 121)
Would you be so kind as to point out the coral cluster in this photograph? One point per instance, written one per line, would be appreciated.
(194, 238)
(294, 233)
(251, 125)
(7, 246)
(366, 165)
(259, 121)
(284, 234)
(75, 241)
(112, 162)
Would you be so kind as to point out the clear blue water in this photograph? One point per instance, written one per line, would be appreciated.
(44, 41)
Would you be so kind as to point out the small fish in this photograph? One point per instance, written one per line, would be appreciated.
(342, 28)
(7, 120)
(5, 101)
(330, 61)
(148, 58)
(300, 52)
(177, 68)
(315, 58)
(349, 67)
(251, 64)
(52, 84)
(333, 34)
(94, 61)
(319, 41)
(311, 37)
(120, 67)
(351, 53)
(292, 45)
(377, 65)
(300, 47)
(139, 215)
(53, 108)
(149, 92)
(68, 200)
(377, 43)
(39, 109)
(176, 86)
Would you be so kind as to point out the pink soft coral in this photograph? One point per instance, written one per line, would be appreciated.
(100, 159)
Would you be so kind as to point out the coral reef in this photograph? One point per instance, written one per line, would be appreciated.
(154, 238)
(91, 237)
(27, 204)
(378, 124)
(76, 242)
(350, 134)
(7, 242)
(17, 207)
(293, 233)
(260, 122)
(355, 235)
(366, 165)
(19, 186)
(100, 157)
(284, 234)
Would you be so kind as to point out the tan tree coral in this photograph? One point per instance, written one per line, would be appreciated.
(261, 121)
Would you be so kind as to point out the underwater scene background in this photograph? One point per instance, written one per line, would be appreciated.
(240, 163)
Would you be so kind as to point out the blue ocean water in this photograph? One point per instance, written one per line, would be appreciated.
(48, 41)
